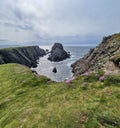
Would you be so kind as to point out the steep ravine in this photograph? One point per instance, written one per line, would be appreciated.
(23, 55)
(105, 57)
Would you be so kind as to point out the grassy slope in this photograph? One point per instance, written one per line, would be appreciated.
(27, 101)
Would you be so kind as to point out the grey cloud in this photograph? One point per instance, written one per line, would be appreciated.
(18, 26)
(54, 18)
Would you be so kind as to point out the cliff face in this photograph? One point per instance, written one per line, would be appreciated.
(106, 57)
(22, 55)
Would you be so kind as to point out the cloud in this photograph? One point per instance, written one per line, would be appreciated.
(32, 20)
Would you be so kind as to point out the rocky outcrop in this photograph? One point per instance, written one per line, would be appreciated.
(106, 56)
(23, 55)
(58, 53)
(54, 70)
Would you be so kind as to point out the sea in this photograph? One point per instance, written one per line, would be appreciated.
(64, 69)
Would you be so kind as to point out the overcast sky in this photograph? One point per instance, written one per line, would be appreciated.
(58, 20)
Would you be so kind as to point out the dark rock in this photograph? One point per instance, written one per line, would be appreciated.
(58, 53)
(55, 70)
(91, 50)
(23, 55)
(47, 51)
(34, 72)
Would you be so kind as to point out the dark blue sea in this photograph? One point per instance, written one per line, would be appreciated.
(64, 70)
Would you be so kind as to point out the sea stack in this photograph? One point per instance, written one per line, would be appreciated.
(55, 70)
(58, 53)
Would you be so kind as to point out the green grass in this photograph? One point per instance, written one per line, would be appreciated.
(29, 101)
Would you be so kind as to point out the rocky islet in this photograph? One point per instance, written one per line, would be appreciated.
(58, 53)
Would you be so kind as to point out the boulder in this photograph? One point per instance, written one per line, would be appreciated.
(58, 53)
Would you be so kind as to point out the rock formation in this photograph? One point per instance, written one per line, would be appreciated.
(23, 55)
(58, 53)
(54, 70)
(106, 56)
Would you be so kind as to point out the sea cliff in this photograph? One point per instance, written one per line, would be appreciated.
(23, 55)
(104, 57)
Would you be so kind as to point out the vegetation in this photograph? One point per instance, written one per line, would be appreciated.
(30, 101)
(116, 59)
(116, 37)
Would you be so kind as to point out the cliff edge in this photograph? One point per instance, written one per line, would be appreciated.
(23, 55)
(105, 57)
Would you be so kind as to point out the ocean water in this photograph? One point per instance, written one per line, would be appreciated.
(64, 70)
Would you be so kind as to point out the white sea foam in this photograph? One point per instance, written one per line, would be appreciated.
(64, 69)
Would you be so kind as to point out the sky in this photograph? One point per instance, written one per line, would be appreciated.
(80, 22)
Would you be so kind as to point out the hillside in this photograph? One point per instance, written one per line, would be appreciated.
(22, 55)
(104, 57)
(31, 101)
